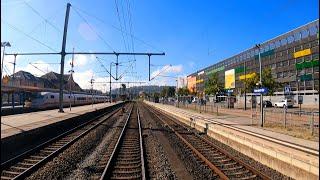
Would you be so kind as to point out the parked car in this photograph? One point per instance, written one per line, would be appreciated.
(266, 103)
(284, 103)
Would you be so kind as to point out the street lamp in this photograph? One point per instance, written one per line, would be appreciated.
(3, 44)
(260, 85)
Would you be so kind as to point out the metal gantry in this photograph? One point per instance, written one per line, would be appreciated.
(63, 53)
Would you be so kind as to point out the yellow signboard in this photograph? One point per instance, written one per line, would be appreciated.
(247, 76)
(191, 83)
(302, 53)
(230, 79)
(199, 81)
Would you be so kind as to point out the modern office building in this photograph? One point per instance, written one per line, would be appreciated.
(293, 58)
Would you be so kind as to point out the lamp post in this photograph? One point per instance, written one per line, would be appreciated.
(260, 85)
(3, 44)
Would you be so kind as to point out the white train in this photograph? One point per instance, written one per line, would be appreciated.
(49, 99)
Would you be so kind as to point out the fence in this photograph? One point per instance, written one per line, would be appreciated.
(276, 118)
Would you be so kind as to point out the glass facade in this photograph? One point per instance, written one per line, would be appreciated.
(293, 58)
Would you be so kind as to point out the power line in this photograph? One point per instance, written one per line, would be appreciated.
(46, 20)
(92, 28)
(119, 29)
(119, 19)
(130, 24)
(17, 29)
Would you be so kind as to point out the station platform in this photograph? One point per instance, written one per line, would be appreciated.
(295, 157)
(15, 124)
(240, 122)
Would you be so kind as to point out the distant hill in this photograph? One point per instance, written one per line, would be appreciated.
(136, 89)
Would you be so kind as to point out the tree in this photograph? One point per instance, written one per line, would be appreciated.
(250, 83)
(269, 82)
(171, 92)
(168, 92)
(183, 91)
(213, 85)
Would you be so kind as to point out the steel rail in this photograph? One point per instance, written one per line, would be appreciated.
(143, 168)
(42, 146)
(215, 169)
(111, 159)
(107, 171)
(261, 175)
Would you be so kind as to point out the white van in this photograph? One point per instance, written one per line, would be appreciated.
(284, 103)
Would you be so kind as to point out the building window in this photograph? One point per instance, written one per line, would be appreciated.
(273, 66)
(299, 60)
(316, 69)
(279, 75)
(292, 61)
(315, 56)
(308, 70)
(285, 63)
(297, 48)
(300, 72)
(52, 96)
(307, 58)
(307, 46)
(285, 74)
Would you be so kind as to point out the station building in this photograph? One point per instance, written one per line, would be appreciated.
(293, 58)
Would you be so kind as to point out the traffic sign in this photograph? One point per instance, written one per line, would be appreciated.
(261, 90)
(287, 89)
(230, 90)
(300, 99)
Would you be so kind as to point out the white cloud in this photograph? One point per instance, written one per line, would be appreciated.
(87, 32)
(80, 60)
(167, 69)
(191, 64)
(42, 67)
(83, 78)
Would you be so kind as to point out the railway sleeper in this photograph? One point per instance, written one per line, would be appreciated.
(131, 166)
(126, 171)
(122, 163)
(232, 168)
(17, 168)
(130, 177)
(237, 173)
(9, 173)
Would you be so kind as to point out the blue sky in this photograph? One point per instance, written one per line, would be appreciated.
(193, 34)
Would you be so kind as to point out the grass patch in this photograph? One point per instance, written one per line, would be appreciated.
(295, 131)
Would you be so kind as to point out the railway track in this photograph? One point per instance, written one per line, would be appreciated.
(127, 158)
(25, 164)
(224, 165)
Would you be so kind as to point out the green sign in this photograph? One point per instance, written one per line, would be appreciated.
(215, 70)
(239, 69)
(264, 54)
(306, 77)
(307, 64)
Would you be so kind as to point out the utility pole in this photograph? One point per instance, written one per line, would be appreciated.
(71, 77)
(260, 85)
(13, 78)
(91, 82)
(63, 54)
(149, 66)
(245, 86)
(110, 95)
(3, 44)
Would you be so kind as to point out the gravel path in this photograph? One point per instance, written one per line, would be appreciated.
(64, 164)
(88, 167)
